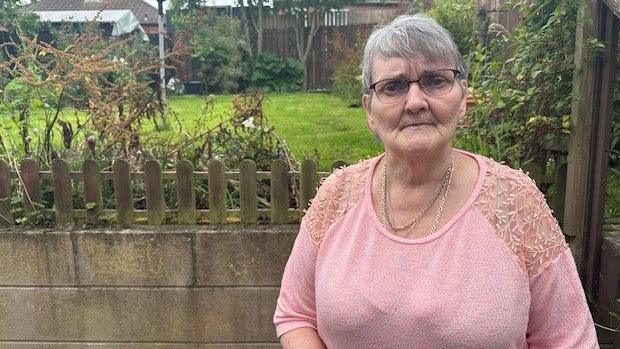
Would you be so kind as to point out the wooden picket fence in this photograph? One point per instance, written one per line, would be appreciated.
(29, 179)
(156, 213)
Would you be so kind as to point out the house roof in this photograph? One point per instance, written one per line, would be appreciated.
(123, 21)
(144, 12)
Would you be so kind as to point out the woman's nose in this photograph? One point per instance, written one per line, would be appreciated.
(416, 98)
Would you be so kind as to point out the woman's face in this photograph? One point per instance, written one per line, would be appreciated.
(419, 123)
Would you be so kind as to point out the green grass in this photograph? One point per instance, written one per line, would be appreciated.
(312, 124)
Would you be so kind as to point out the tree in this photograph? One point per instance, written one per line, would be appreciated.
(253, 12)
(216, 42)
(307, 15)
(11, 18)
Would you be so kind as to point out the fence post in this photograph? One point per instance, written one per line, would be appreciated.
(559, 195)
(217, 189)
(247, 192)
(92, 191)
(308, 182)
(6, 217)
(63, 194)
(29, 176)
(279, 192)
(186, 194)
(154, 185)
(123, 192)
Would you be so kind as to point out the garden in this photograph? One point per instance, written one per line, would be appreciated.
(88, 142)
(74, 95)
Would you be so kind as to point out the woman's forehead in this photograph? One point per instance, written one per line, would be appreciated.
(385, 67)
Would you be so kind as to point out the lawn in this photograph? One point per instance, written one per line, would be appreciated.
(311, 124)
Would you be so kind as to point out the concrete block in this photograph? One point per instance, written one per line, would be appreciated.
(138, 314)
(253, 257)
(36, 258)
(134, 258)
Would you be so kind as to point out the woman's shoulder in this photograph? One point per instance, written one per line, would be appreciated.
(336, 194)
(520, 216)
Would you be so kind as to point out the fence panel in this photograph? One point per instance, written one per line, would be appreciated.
(247, 192)
(279, 192)
(29, 176)
(186, 193)
(63, 194)
(123, 193)
(6, 217)
(92, 191)
(155, 204)
(217, 191)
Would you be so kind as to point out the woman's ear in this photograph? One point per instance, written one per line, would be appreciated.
(367, 105)
(463, 103)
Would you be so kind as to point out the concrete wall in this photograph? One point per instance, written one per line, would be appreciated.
(165, 288)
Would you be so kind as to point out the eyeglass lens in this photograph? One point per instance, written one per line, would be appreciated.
(436, 83)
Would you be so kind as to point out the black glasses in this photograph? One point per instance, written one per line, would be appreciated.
(436, 83)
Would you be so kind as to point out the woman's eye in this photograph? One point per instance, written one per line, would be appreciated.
(395, 86)
(435, 81)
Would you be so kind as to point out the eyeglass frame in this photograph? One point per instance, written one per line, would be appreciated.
(456, 72)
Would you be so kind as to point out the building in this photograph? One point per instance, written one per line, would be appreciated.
(117, 17)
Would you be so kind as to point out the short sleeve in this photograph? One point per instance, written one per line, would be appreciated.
(559, 315)
(296, 305)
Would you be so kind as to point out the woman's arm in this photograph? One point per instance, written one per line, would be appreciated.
(302, 338)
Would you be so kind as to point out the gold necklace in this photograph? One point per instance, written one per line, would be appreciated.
(443, 187)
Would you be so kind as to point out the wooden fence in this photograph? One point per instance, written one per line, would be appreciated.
(29, 179)
(65, 185)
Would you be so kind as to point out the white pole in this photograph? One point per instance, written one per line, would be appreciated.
(162, 63)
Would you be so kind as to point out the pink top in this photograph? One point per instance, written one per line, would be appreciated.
(499, 274)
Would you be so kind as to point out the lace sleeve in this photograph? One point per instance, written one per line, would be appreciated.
(543, 240)
(335, 196)
(324, 208)
(522, 219)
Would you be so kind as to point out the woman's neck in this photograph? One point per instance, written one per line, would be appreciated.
(419, 170)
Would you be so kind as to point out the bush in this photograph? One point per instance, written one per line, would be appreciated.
(218, 45)
(347, 77)
(277, 74)
(527, 76)
(459, 18)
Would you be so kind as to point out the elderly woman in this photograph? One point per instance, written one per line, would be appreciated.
(427, 246)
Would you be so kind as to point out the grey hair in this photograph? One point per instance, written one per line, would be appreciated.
(411, 37)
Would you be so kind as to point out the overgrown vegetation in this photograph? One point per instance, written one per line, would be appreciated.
(347, 76)
(459, 17)
(94, 97)
(217, 43)
(523, 81)
(277, 74)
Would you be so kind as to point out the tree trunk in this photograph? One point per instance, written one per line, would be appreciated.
(259, 28)
(313, 20)
(246, 26)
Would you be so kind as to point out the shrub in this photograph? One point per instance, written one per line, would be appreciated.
(217, 43)
(277, 74)
(459, 18)
(527, 75)
(347, 76)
